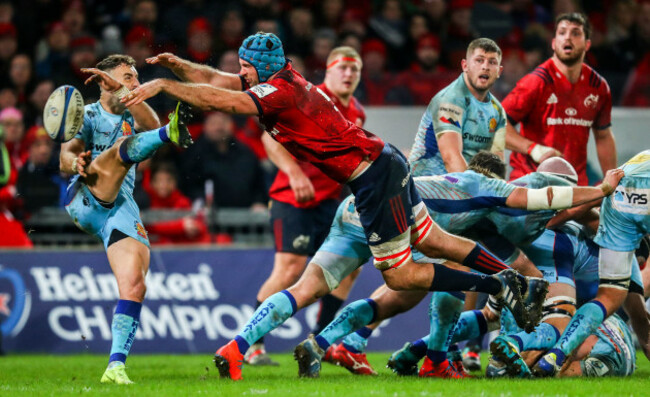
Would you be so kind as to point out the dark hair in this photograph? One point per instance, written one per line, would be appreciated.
(487, 45)
(577, 18)
(115, 60)
(165, 167)
(488, 164)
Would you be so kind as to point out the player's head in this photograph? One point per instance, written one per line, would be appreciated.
(559, 167)
(488, 164)
(260, 57)
(571, 40)
(482, 64)
(343, 71)
(121, 68)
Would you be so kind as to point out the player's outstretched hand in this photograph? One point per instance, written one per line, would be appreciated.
(166, 59)
(551, 153)
(83, 161)
(611, 180)
(143, 92)
(102, 78)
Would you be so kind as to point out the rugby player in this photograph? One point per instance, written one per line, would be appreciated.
(304, 201)
(306, 122)
(624, 220)
(558, 103)
(99, 197)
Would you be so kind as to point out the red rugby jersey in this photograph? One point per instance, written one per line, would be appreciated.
(302, 118)
(556, 113)
(325, 187)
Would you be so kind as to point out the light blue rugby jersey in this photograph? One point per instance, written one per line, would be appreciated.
(616, 343)
(625, 215)
(455, 201)
(100, 130)
(455, 109)
(522, 227)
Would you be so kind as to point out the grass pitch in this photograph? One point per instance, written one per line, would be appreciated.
(184, 375)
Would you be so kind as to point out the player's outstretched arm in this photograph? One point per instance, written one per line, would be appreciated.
(145, 117)
(606, 148)
(519, 144)
(196, 73)
(203, 96)
(561, 197)
(301, 186)
(451, 149)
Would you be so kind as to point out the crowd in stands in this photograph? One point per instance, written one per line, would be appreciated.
(410, 50)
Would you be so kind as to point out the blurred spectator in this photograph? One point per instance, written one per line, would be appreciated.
(177, 18)
(390, 27)
(378, 86)
(20, 78)
(527, 12)
(111, 42)
(138, 44)
(267, 25)
(74, 18)
(330, 14)
(8, 46)
(39, 182)
(231, 31)
(426, 76)
(460, 32)
(199, 41)
(565, 6)
(353, 22)
(620, 21)
(229, 62)
(36, 104)
(351, 40)
(514, 68)
(436, 12)
(260, 9)
(324, 42)
(53, 53)
(145, 14)
(83, 55)
(301, 30)
(535, 49)
(8, 98)
(14, 130)
(231, 166)
(164, 194)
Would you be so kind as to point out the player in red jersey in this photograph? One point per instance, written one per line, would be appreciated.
(307, 123)
(558, 103)
(304, 201)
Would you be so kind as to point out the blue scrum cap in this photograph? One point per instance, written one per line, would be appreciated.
(263, 51)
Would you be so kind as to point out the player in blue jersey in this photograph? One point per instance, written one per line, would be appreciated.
(624, 220)
(463, 118)
(100, 195)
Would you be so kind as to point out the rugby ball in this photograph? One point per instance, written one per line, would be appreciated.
(63, 114)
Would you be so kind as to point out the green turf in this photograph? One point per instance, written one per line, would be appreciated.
(182, 375)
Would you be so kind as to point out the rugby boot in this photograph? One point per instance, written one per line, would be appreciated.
(256, 356)
(116, 374)
(357, 363)
(495, 369)
(229, 361)
(506, 350)
(177, 128)
(444, 370)
(534, 301)
(403, 362)
(308, 354)
(510, 296)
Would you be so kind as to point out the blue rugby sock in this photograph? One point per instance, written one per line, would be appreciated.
(584, 323)
(357, 341)
(140, 147)
(444, 312)
(419, 347)
(544, 338)
(471, 324)
(354, 316)
(274, 311)
(123, 327)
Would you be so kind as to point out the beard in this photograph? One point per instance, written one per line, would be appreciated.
(570, 60)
